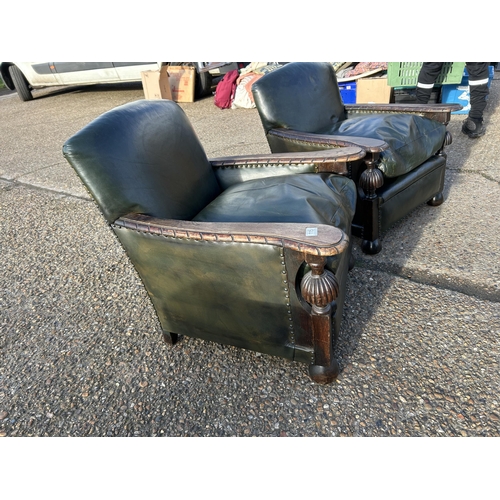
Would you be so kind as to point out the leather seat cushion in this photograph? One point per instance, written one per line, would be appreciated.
(412, 139)
(306, 198)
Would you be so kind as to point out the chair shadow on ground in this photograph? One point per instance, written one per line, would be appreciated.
(373, 275)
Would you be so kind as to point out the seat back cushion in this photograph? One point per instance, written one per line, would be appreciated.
(307, 198)
(412, 139)
(300, 96)
(143, 157)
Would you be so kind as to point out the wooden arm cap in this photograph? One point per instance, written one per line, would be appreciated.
(340, 154)
(313, 239)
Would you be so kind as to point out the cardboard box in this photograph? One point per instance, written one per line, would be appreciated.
(182, 81)
(156, 84)
(373, 91)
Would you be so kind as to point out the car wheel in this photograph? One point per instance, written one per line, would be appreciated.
(203, 84)
(203, 81)
(20, 83)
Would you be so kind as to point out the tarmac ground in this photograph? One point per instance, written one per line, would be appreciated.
(80, 346)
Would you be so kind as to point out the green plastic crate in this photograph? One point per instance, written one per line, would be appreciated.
(405, 74)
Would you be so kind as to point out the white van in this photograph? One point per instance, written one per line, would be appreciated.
(26, 76)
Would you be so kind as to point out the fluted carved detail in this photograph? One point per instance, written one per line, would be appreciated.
(319, 290)
(371, 179)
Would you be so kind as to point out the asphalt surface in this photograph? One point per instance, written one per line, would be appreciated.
(80, 346)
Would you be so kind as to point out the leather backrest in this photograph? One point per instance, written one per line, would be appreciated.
(143, 157)
(301, 96)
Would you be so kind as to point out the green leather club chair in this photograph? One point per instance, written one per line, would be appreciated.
(301, 109)
(250, 251)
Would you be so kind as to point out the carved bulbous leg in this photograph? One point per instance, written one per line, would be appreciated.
(370, 180)
(320, 289)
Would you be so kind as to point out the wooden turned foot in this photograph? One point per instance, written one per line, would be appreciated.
(324, 374)
(436, 201)
(371, 247)
(170, 338)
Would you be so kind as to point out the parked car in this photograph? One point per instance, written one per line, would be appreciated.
(26, 76)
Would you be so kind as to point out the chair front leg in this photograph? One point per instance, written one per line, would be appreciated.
(370, 180)
(320, 288)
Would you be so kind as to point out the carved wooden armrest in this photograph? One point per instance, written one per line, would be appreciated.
(329, 141)
(323, 161)
(319, 240)
(438, 112)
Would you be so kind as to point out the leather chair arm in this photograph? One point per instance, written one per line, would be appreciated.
(315, 141)
(322, 160)
(438, 112)
(234, 169)
(309, 239)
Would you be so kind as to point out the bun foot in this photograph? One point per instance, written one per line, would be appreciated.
(436, 201)
(371, 247)
(324, 374)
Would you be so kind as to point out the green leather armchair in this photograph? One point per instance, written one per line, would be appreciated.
(301, 110)
(250, 251)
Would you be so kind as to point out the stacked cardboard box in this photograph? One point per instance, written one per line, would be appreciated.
(170, 82)
(364, 83)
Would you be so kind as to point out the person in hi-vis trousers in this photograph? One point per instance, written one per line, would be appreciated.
(478, 86)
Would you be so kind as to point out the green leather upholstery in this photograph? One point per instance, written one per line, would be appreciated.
(238, 294)
(147, 171)
(143, 157)
(320, 106)
(422, 180)
(312, 198)
(412, 139)
(301, 109)
(229, 293)
(227, 177)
